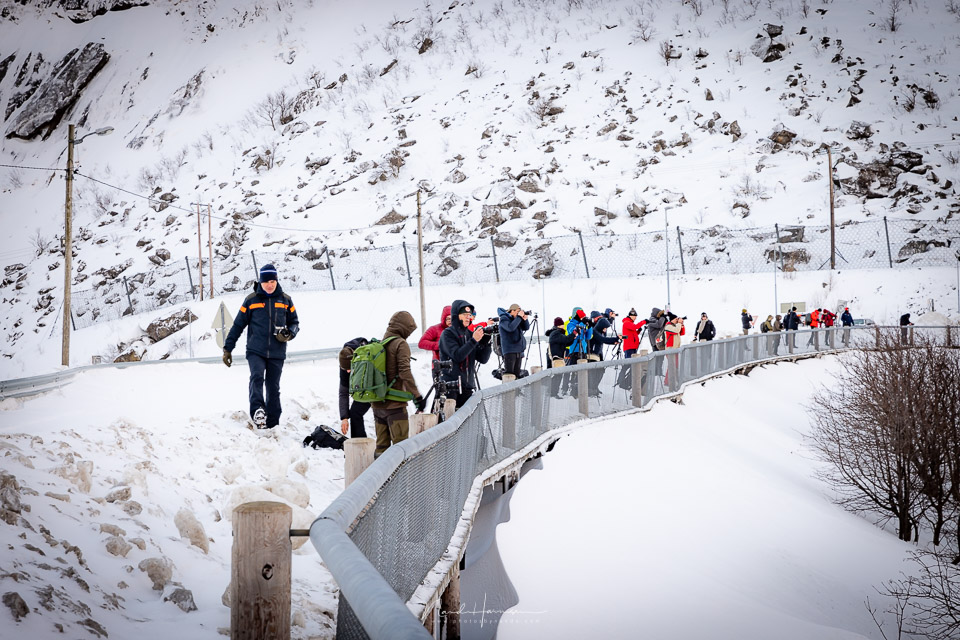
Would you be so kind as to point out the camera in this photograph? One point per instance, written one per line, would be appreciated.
(441, 365)
(489, 328)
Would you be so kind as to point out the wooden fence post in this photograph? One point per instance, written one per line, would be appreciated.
(450, 607)
(420, 422)
(358, 455)
(260, 572)
(582, 391)
(449, 407)
(509, 403)
(637, 371)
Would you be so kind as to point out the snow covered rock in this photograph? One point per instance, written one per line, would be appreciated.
(18, 608)
(191, 529)
(183, 598)
(43, 110)
(77, 472)
(159, 570)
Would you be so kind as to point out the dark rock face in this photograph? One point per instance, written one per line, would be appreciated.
(43, 110)
(878, 179)
(5, 64)
(167, 326)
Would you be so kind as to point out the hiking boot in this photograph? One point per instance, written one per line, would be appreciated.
(260, 418)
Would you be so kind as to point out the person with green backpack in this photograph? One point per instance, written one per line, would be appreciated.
(380, 374)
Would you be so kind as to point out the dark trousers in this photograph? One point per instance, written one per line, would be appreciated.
(463, 396)
(393, 426)
(265, 386)
(357, 411)
(512, 362)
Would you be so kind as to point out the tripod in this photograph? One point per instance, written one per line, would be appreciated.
(533, 332)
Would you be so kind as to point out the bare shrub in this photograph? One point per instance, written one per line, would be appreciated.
(643, 29)
(665, 50)
(891, 434)
(952, 157)
(276, 110)
(893, 22)
(40, 242)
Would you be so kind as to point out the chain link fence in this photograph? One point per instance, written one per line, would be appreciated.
(398, 520)
(876, 244)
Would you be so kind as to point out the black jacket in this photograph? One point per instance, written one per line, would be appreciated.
(791, 321)
(599, 338)
(846, 318)
(263, 315)
(457, 344)
(709, 331)
(905, 320)
(559, 341)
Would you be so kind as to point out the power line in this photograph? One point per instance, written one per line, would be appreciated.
(18, 166)
(215, 217)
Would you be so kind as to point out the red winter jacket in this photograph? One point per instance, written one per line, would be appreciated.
(814, 319)
(631, 333)
(431, 337)
(827, 318)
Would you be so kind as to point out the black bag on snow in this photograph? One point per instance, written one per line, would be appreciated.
(324, 437)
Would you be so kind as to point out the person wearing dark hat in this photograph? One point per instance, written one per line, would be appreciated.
(271, 321)
(351, 413)
(791, 323)
(513, 323)
(846, 319)
(464, 346)
(904, 332)
(559, 343)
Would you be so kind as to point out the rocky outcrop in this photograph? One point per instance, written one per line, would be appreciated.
(160, 329)
(878, 179)
(43, 110)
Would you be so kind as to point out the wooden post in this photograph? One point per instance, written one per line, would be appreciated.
(358, 455)
(949, 341)
(673, 373)
(877, 331)
(450, 607)
(582, 389)
(210, 246)
(423, 297)
(430, 624)
(449, 407)
(67, 250)
(833, 238)
(637, 371)
(199, 252)
(536, 402)
(535, 369)
(420, 422)
(509, 414)
(260, 572)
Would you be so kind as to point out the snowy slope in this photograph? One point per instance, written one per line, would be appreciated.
(189, 90)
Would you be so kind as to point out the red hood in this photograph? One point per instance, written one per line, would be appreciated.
(445, 315)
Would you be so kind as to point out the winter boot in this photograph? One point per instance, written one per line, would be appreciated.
(260, 418)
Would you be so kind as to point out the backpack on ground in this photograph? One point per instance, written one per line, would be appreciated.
(323, 437)
(368, 374)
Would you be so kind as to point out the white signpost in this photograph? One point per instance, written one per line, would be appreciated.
(222, 322)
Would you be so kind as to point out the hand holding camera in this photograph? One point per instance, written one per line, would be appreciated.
(284, 335)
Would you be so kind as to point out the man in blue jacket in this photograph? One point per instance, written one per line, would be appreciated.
(513, 323)
(846, 319)
(271, 319)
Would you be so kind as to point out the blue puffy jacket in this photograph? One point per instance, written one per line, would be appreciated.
(582, 342)
(263, 315)
(511, 333)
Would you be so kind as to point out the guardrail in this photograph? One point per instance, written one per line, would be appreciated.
(396, 535)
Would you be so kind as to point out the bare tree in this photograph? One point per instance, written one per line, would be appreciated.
(893, 15)
(276, 110)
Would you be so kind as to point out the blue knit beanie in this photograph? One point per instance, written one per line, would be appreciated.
(268, 272)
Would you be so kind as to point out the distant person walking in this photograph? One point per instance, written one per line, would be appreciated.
(746, 321)
(904, 331)
(705, 329)
(271, 321)
(846, 319)
(814, 326)
(791, 323)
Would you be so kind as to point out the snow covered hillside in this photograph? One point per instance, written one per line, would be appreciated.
(309, 127)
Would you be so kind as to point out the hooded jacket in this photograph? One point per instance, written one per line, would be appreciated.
(401, 325)
(655, 324)
(705, 330)
(599, 337)
(581, 341)
(457, 344)
(263, 315)
(430, 341)
(791, 321)
(511, 333)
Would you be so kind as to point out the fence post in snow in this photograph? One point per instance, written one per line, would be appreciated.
(583, 250)
(496, 269)
(126, 285)
(330, 270)
(582, 388)
(190, 277)
(509, 419)
(886, 231)
(256, 271)
(406, 259)
(260, 571)
(683, 268)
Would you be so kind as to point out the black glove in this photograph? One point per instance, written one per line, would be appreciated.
(284, 335)
(227, 358)
(420, 403)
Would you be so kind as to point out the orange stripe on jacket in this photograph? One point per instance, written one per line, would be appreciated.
(257, 305)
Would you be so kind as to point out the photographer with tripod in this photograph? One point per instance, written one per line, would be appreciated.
(464, 344)
(513, 323)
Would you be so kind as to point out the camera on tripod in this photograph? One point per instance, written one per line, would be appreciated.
(445, 388)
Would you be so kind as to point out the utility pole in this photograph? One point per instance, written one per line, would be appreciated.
(423, 298)
(199, 253)
(67, 250)
(833, 236)
(210, 246)
(666, 245)
(776, 300)
(68, 237)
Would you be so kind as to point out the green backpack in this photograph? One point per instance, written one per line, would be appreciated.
(368, 374)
